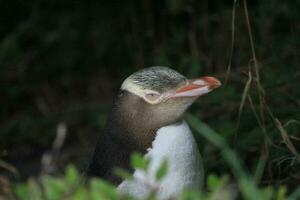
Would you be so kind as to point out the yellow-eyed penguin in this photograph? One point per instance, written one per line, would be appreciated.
(147, 117)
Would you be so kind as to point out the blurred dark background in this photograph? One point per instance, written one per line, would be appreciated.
(63, 61)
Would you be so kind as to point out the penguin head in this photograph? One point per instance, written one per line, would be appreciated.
(163, 94)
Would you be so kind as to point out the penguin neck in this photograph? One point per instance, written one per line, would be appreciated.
(136, 128)
(138, 122)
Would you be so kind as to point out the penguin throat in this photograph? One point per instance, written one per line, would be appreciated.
(139, 121)
(138, 132)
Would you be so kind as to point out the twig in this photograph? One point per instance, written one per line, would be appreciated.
(245, 93)
(256, 67)
(232, 41)
(49, 158)
(9, 168)
(286, 139)
(260, 89)
(258, 119)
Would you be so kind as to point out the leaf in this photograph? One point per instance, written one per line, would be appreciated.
(281, 194)
(162, 170)
(22, 191)
(139, 162)
(35, 192)
(214, 182)
(80, 194)
(72, 176)
(189, 194)
(265, 193)
(101, 189)
(124, 174)
(54, 187)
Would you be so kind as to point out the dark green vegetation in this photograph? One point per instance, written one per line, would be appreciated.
(62, 62)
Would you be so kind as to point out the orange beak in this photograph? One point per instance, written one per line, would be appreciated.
(198, 87)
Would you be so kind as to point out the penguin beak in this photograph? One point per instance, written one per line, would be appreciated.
(197, 87)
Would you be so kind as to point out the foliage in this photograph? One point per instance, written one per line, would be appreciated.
(72, 186)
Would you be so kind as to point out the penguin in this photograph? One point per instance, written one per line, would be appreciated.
(147, 117)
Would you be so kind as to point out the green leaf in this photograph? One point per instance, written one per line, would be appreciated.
(35, 192)
(80, 194)
(103, 190)
(22, 191)
(214, 182)
(72, 176)
(124, 174)
(266, 193)
(162, 170)
(55, 188)
(189, 194)
(139, 162)
(281, 194)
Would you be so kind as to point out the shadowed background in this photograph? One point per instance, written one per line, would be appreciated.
(63, 61)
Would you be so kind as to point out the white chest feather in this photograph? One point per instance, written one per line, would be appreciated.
(176, 144)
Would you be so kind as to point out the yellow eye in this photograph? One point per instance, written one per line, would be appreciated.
(152, 97)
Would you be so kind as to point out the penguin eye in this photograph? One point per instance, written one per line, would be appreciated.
(152, 97)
